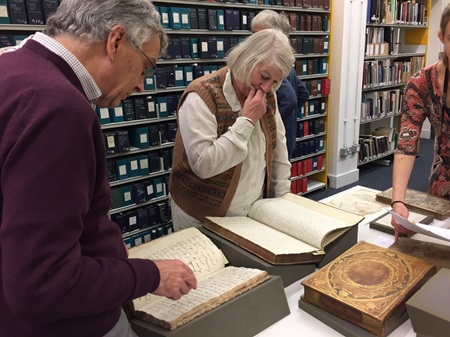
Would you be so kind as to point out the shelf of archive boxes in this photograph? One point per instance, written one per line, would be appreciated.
(241, 5)
(392, 56)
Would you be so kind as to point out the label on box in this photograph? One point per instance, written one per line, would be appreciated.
(127, 197)
(205, 46)
(151, 106)
(195, 48)
(134, 165)
(133, 220)
(111, 142)
(149, 81)
(178, 75)
(150, 189)
(143, 138)
(143, 163)
(3, 12)
(159, 188)
(104, 113)
(184, 19)
(219, 45)
(189, 76)
(118, 112)
(122, 170)
(165, 18)
(163, 107)
(176, 17)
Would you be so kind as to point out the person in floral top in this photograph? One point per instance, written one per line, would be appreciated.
(426, 96)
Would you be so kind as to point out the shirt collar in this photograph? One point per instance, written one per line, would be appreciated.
(91, 89)
(230, 93)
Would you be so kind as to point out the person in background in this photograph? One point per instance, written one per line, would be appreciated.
(426, 96)
(292, 93)
(230, 147)
(64, 269)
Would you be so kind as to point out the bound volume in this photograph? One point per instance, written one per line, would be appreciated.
(286, 230)
(216, 284)
(368, 286)
(421, 202)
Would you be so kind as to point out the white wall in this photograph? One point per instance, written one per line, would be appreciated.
(347, 55)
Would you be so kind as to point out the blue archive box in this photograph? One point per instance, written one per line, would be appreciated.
(122, 168)
(143, 165)
(116, 114)
(185, 18)
(140, 137)
(103, 115)
(133, 167)
(174, 18)
(127, 196)
(150, 83)
(161, 106)
(179, 76)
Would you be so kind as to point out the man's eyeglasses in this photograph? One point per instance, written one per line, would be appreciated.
(150, 70)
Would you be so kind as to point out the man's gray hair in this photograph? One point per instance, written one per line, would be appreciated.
(268, 46)
(268, 18)
(92, 20)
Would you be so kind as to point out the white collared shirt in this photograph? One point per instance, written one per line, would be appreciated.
(210, 155)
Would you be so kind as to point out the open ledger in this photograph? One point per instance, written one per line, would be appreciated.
(216, 284)
(286, 230)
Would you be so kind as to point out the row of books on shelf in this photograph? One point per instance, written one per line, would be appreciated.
(139, 166)
(140, 107)
(302, 167)
(310, 4)
(382, 40)
(380, 104)
(373, 146)
(387, 72)
(311, 66)
(33, 12)
(309, 44)
(138, 192)
(413, 12)
(312, 107)
(310, 127)
(139, 237)
(308, 147)
(318, 86)
(308, 22)
(230, 19)
(142, 218)
(122, 141)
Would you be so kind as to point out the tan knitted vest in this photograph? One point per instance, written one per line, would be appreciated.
(212, 197)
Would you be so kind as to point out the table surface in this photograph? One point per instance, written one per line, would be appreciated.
(300, 323)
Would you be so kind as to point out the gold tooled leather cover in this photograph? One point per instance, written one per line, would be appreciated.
(367, 285)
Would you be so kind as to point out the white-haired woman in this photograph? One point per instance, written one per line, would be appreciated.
(230, 148)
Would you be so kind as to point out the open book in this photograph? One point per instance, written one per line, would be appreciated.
(216, 283)
(286, 230)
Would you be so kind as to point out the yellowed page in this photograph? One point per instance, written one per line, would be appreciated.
(188, 245)
(302, 223)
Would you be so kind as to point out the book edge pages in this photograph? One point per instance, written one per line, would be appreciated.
(263, 253)
(205, 306)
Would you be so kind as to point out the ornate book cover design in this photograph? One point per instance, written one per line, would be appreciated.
(421, 202)
(367, 285)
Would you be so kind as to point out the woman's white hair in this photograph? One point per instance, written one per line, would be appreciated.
(268, 18)
(268, 47)
(92, 20)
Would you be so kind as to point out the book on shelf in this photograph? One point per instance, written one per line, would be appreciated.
(286, 230)
(421, 202)
(216, 282)
(367, 286)
(383, 222)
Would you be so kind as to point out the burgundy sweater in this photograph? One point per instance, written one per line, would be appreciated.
(64, 270)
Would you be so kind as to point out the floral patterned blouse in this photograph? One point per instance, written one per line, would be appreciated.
(423, 99)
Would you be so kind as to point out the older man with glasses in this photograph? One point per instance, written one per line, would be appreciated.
(64, 269)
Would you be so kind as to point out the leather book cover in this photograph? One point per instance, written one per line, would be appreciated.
(421, 202)
(432, 252)
(368, 285)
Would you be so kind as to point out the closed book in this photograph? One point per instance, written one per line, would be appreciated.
(140, 107)
(193, 18)
(161, 106)
(116, 114)
(123, 142)
(164, 11)
(49, 7)
(128, 109)
(110, 142)
(421, 202)
(34, 12)
(111, 170)
(150, 83)
(202, 18)
(212, 19)
(17, 12)
(122, 168)
(185, 48)
(367, 285)
(169, 76)
(194, 47)
(151, 107)
(143, 165)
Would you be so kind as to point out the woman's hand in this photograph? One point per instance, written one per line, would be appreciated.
(254, 105)
(401, 210)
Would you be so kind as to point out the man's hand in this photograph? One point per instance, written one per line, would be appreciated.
(177, 279)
